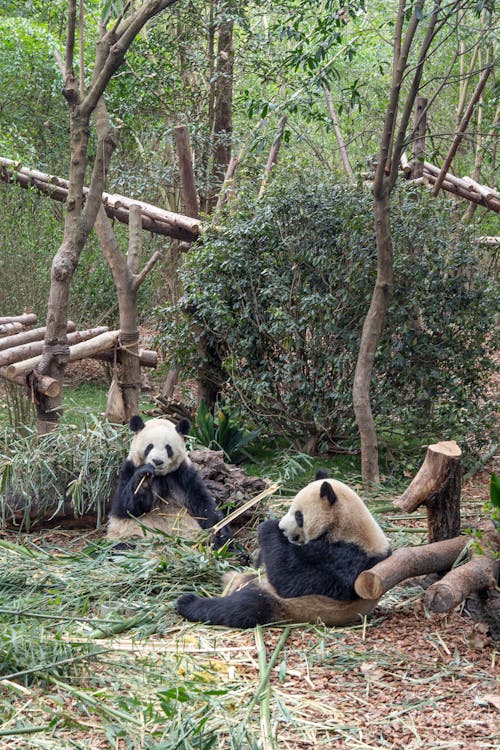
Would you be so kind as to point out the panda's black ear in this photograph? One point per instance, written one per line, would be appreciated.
(326, 490)
(183, 426)
(136, 424)
(322, 474)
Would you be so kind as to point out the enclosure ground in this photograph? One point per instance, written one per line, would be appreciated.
(403, 679)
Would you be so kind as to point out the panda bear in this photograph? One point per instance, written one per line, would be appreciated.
(158, 487)
(312, 557)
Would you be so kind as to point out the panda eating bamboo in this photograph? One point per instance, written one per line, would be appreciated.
(159, 488)
(311, 557)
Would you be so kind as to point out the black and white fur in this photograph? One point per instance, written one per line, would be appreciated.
(159, 488)
(311, 557)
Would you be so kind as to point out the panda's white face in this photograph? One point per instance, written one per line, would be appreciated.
(160, 444)
(327, 506)
(311, 514)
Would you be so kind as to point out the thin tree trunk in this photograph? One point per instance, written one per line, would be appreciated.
(273, 155)
(338, 136)
(372, 330)
(223, 112)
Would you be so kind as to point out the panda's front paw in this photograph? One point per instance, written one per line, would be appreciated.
(222, 537)
(141, 475)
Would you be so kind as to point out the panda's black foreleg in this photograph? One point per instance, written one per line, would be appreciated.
(245, 608)
(133, 495)
(201, 505)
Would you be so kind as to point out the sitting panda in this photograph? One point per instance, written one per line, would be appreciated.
(158, 487)
(311, 557)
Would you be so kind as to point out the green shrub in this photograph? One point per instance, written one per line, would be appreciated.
(282, 293)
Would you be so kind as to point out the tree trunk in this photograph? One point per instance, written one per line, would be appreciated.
(223, 110)
(372, 330)
(273, 155)
(80, 217)
(338, 135)
(417, 169)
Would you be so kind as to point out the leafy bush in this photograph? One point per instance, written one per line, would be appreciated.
(220, 431)
(282, 293)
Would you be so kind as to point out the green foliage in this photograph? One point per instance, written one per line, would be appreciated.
(495, 499)
(281, 294)
(218, 431)
(32, 116)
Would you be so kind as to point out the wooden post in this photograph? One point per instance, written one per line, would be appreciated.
(419, 135)
(437, 485)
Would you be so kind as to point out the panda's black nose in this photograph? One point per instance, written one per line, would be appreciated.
(157, 461)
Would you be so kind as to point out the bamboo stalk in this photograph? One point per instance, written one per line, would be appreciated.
(249, 504)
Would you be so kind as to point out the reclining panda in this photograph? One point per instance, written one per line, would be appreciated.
(159, 488)
(311, 557)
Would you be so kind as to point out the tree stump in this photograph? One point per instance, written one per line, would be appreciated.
(437, 485)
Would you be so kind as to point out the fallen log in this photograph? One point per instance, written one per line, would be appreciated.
(479, 574)
(79, 351)
(408, 562)
(437, 485)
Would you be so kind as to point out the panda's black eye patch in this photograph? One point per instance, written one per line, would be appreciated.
(169, 450)
(299, 518)
(148, 449)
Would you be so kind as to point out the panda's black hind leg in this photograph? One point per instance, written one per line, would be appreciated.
(244, 608)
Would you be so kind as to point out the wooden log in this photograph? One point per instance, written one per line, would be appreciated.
(476, 575)
(437, 485)
(8, 328)
(35, 334)
(34, 348)
(154, 219)
(44, 384)
(147, 357)
(405, 164)
(408, 562)
(461, 129)
(479, 574)
(84, 349)
(28, 319)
